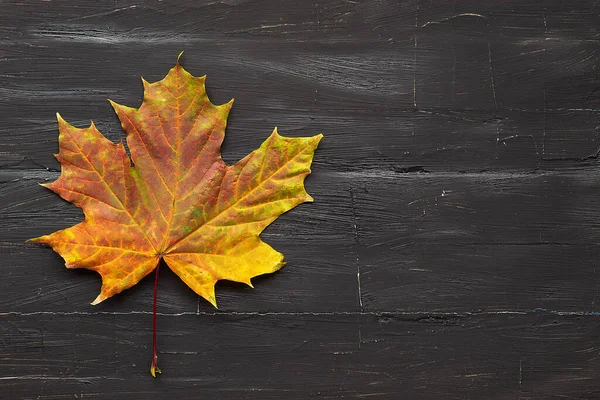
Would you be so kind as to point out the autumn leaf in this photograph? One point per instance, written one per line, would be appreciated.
(175, 199)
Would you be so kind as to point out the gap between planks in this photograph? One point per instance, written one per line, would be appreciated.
(425, 314)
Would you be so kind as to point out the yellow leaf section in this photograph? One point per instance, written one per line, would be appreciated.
(102, 246)
(201, 271)
(253, 193)
(97, 177)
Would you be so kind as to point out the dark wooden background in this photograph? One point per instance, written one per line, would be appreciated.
(452, 250)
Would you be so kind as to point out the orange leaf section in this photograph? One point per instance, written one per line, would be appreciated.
(178, 200)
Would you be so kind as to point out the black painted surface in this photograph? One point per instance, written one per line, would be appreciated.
(452, 248)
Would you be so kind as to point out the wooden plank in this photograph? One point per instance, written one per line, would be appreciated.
(489, 208)
(381, 101)
(464, 242)
(314, 278)
(449, 242)
(421, 277)
(298, 356)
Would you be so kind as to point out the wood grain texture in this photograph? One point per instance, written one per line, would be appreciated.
(452, 248)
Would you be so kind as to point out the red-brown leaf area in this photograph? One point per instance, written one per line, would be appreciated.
(175, 199)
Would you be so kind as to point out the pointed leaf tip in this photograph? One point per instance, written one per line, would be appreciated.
(179, 56)
(213, 300)
(61, 120)
(98, 300)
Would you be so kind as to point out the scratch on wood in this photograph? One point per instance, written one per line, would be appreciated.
(360, 341)
(545, 125)
(477, 375)
(453, 17)
(357, 243)
(57, 378)
(415, 57)
(269, 27)
(504, 139)
(545, 22)
(104, 13)
(493, 83)
(520, 373)
(544, 88)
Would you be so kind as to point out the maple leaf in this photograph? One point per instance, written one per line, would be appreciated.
(175, 199)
